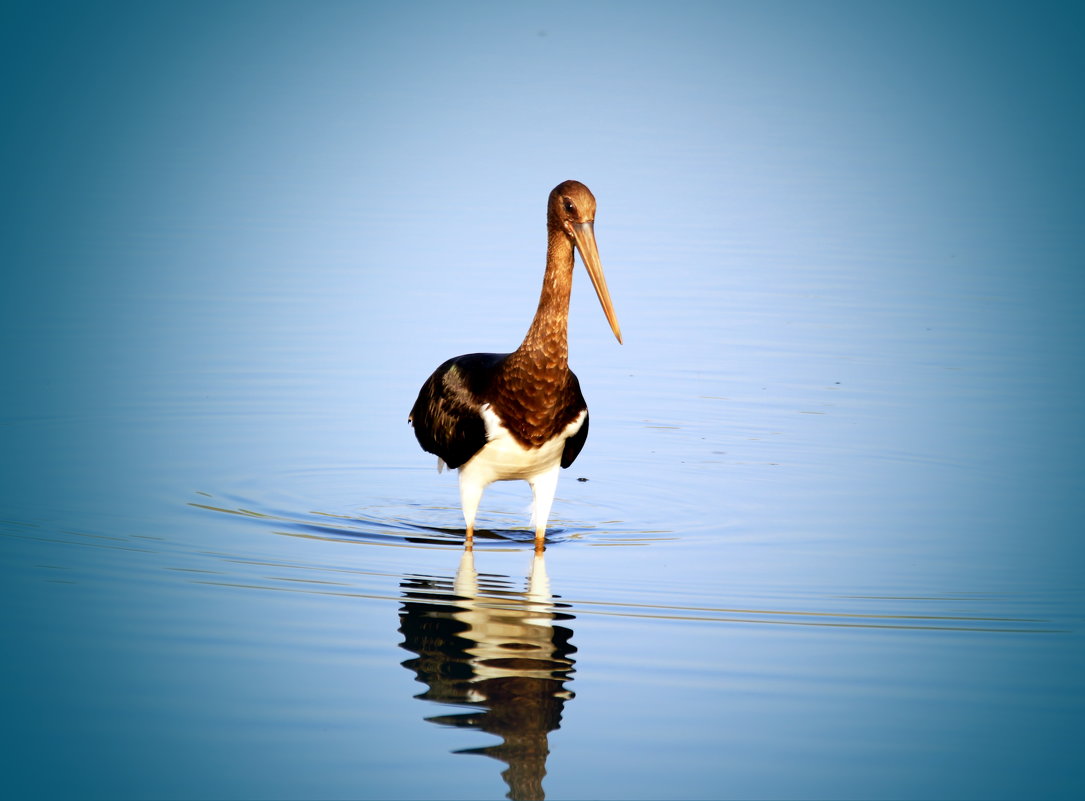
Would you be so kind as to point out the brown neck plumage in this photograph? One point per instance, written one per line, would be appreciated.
(546, 344)
(534, 394)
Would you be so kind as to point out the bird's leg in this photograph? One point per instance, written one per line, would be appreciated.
(543, 488)
(470, 495)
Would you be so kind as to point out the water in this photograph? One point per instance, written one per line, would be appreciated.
(823, 540)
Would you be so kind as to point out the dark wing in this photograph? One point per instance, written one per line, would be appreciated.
(577, 440)
(446, 416)
(574, 444)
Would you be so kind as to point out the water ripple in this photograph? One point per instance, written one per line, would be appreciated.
(394, 529)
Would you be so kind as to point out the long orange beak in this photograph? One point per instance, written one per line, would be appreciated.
(584, 237)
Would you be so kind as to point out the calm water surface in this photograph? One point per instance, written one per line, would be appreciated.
(823, 541)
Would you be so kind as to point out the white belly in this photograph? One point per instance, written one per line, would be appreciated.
(503, 458)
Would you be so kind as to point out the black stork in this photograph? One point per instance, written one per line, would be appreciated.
(520, 415)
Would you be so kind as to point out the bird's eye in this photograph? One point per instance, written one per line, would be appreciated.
(569, 207)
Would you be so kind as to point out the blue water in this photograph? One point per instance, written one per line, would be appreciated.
(824, 539)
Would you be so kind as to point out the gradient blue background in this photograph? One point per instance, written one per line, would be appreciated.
(157, 154)
(236, 236)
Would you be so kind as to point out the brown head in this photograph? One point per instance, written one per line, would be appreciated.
(571, 210)
(570, 202)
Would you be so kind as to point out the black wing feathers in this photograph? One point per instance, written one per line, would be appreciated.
(575, 443)
(446, 416)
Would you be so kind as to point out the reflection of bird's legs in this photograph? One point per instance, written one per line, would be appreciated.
(538, 582)
(465, 584)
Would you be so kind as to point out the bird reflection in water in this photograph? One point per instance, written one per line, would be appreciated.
(480, 643)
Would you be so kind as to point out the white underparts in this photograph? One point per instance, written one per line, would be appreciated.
(503, 458)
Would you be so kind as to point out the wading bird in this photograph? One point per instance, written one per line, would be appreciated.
(520, 415)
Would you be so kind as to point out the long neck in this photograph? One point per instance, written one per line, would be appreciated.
(547, 340)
